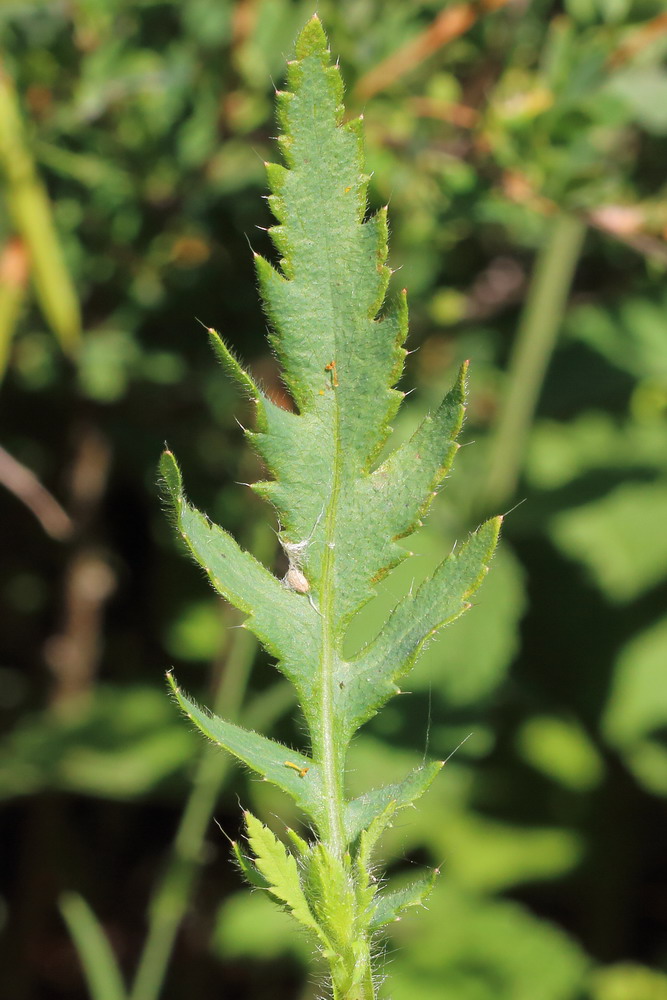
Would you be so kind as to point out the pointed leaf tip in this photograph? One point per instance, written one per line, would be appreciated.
(233, 368)
(263, 755)
(390, 905)
(312, 39)
(171, 475)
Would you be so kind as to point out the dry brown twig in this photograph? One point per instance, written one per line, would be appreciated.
(638, 39)
(73, 653)
(448, 25)
(26, 487)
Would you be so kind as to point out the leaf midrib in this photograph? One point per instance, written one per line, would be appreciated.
(330, 760)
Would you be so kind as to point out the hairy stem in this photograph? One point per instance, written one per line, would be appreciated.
(328, 753)
(332, 764)
(363, 990)
(534, 344)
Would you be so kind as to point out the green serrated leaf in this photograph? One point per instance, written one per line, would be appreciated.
(388, 504)
(290, 770)
(339, 340)
(300, 845)
(366, 886)
(284, 621)
(369, 680)
(340, 517)
(368, 838)
(171, 477)
(362, 811)
(390, 905)
(235, 370)
(278, 867)
(248, 869)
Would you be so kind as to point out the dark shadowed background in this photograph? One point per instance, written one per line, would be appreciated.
(521, 147)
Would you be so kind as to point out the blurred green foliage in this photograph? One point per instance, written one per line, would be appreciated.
(142, 129)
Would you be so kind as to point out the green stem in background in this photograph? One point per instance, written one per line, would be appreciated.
(541, 319)
(171, 898)
(99, 963)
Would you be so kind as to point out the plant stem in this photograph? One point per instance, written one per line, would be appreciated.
(368, 985)
(361, 991)
(534, 344)
(329, 753)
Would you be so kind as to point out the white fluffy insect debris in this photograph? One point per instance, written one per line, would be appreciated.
(295, 578)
